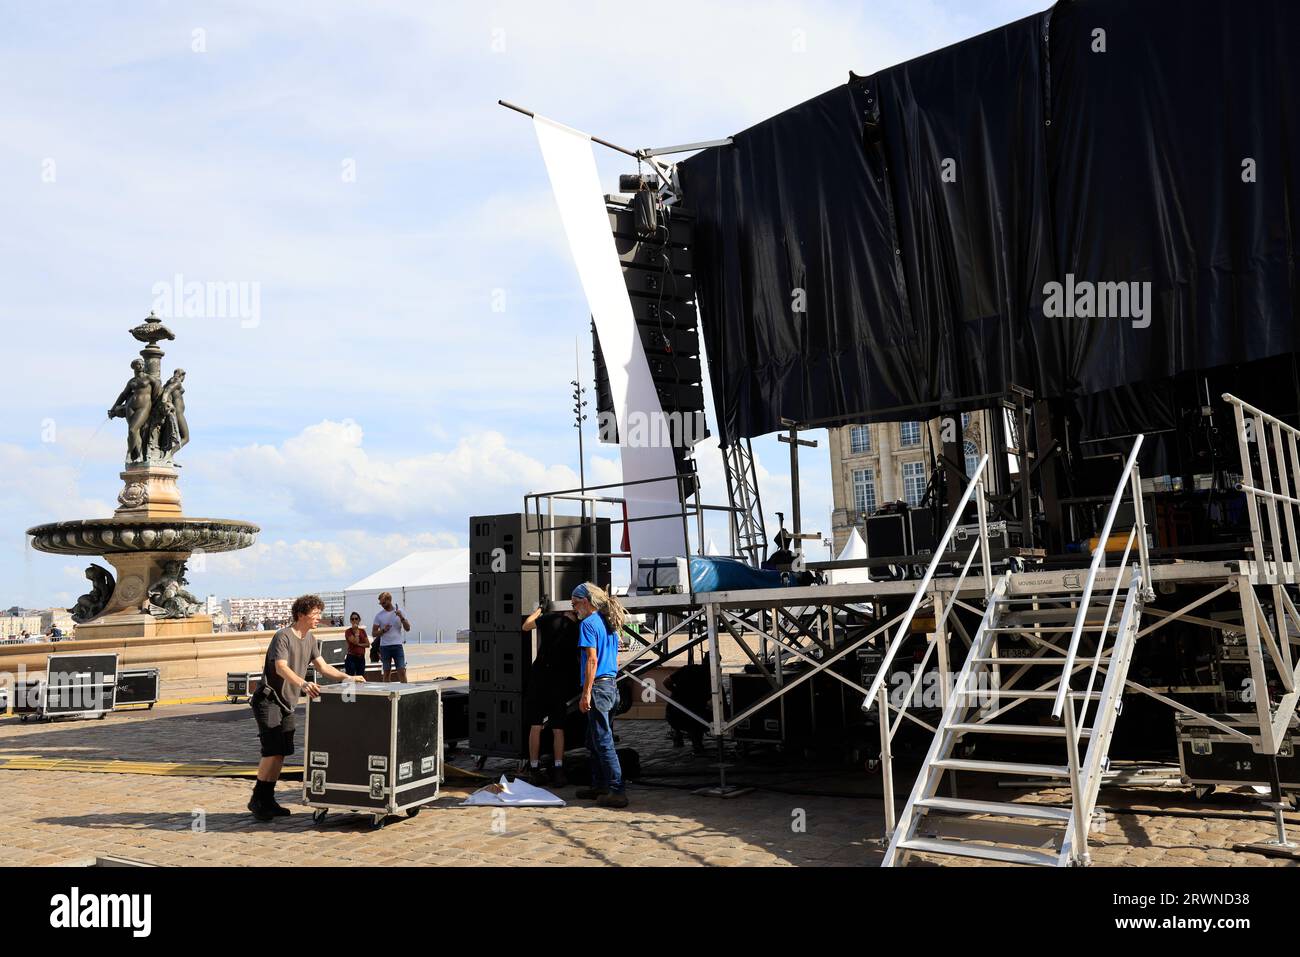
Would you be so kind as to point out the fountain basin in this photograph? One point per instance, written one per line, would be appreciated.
(125, 535)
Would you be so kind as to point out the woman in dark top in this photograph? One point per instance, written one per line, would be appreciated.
(358, 642)
(551, 685)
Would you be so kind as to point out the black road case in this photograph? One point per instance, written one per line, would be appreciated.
(137, 686)
(455, 712)
(333, 650)
(76, 685)
(29, 695)
(242, 684)
(373, 749)
(1209, 756)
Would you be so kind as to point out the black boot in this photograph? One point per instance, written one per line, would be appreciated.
(258, 803)
(271, 804)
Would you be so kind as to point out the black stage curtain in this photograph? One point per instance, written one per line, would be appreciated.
(882, 250)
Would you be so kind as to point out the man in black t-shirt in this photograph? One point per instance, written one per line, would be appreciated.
(287, 657)
(552, 682)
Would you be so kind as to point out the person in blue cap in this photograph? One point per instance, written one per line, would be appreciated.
(601, 618)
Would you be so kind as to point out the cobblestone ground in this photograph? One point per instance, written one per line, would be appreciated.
(820, 812)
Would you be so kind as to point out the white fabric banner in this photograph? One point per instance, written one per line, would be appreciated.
(576, 184)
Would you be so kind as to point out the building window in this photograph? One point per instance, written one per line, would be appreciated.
(909, 434)
(965, 421)
(913, 482)
(860, 439)
(972, 457)
(864, 491)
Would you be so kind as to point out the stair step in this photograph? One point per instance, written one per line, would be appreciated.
(1048, 629)
(1007, 855)
(1041, 730)
(1045, 614)
(1041, 695)
(1002, 767)
(1036, 660)
(1037, 812)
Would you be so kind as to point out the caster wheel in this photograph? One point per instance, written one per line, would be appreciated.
(377, 823)
(1203, 793)
(103, 716)
(412, 812)
(478, 764)
(319, 815)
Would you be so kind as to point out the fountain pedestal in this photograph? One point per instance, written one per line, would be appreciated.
(149, 491)
(127, 615)
(148, 541)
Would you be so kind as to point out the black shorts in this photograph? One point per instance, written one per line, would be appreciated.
(546, 706)
(274, 727)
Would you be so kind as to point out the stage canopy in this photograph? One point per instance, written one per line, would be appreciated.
(918, 215)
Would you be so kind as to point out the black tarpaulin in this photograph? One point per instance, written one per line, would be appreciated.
(918, 216)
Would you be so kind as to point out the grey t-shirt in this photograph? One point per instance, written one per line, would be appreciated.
(395, 635)
(298, 653)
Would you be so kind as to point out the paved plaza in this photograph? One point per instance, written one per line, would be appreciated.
(818, 812)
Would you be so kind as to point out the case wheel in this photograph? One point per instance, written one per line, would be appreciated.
(1203, 792)
(318, 815)
(411, 812)
(378, 821)
(480, 761)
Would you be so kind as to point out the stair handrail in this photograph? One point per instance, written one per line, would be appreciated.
(1087, 781)
(1105, 629)
(1254, 426)
(904, 627)
(1131, 477)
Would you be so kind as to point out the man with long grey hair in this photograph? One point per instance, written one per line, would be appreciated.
(602, 618)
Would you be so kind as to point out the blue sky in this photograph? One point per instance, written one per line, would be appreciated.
(418, 310)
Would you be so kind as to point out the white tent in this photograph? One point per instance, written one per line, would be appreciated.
(432, 588)
(855, 547)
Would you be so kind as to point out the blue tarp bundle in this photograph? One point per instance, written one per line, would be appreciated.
(729, 574)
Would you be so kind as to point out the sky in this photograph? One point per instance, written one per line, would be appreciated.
(411, 317)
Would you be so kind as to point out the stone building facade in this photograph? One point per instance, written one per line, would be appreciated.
(889, 462)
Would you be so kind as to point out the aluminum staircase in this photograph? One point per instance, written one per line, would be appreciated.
(1006, 691)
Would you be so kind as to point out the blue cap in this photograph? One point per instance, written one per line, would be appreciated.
(581, 592)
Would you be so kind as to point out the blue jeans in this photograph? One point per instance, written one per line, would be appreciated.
(606, 774)
(392, 656)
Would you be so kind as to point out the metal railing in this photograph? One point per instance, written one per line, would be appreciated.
(980, 545)
(691, 511)
(877, 693)
(1085, 777)
(1132, 479)
(1255, 428)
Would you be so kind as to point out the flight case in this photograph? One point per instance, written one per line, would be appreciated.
(76, 685)
(373, 749)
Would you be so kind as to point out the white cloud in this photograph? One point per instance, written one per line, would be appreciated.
(279, 566)
(326, 470)
(41, 486)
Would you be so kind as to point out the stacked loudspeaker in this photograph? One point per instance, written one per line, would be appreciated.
(654, 250)
(506, 583)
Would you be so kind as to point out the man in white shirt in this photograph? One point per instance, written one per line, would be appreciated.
(388, 630)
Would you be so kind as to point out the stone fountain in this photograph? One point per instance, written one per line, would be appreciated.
(148, 541)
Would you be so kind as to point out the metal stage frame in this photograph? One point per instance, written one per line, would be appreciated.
(815, 627)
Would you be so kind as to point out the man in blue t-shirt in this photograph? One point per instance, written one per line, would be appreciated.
(598, 661)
